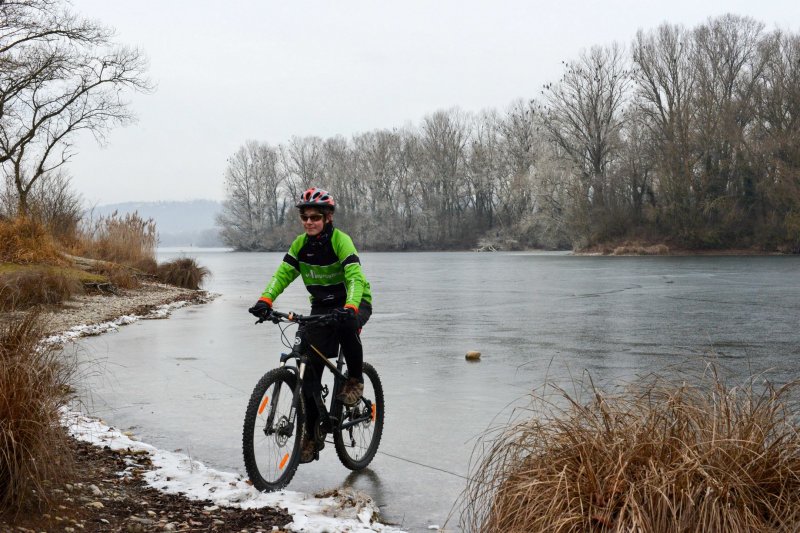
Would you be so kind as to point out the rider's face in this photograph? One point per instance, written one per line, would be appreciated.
(313, 221)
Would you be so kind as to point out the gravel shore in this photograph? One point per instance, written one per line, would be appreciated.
(92, 309)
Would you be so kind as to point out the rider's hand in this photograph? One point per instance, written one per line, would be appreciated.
(262, 309)
(344, 313)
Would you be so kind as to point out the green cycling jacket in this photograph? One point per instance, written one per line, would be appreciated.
(330, 268)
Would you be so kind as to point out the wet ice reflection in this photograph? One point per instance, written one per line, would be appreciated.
(183, 383)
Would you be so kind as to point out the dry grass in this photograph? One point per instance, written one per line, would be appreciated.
(665, 455)
(118, 275)
(147, 265)
(34, 385)
(128, 240)
(635, 249)
(25, 288)
(183, 272)
(26, 241)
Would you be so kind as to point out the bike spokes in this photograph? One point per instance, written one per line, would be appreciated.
(272, 432)
(361, 425)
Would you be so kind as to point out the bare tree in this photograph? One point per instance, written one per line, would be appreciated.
(59, 74)
(255, 205)
(584, 114)
(303, 160)
(485, 168)
(338, 173)
(776, 132)
(444, 137)
(729, 67)
(520, 142)
(665, 81)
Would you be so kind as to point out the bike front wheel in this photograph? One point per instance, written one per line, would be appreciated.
(272, 432)
(358, 433)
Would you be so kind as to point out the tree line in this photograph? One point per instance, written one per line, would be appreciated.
(686, 136)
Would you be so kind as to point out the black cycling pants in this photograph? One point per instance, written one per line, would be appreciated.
(327, 339)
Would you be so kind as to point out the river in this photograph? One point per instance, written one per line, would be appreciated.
(183, 383)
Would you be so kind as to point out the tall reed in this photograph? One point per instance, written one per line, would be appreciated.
(34, 386)
(691, 453)
(128, 239)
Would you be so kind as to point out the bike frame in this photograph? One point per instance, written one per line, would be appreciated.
(301, 351)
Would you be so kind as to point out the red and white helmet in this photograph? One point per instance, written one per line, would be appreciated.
(315, 197)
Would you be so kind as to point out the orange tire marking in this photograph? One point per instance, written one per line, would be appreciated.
(283, 461)
(264, 403)
(374, 410)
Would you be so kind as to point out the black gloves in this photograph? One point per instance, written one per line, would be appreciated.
(344, 313)
(262, 309)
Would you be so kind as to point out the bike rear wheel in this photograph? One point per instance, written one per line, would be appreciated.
(271, 434)
(358, 434)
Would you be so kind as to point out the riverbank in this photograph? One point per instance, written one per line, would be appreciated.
(122, 485)
(637, 248)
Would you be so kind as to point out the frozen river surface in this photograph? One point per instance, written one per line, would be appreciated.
(183, 383)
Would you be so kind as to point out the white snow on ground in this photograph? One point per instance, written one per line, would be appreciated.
(84, 330)
(345, 511)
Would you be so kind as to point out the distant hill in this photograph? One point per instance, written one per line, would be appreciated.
(178, 223)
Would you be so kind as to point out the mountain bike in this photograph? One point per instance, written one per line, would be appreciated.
(275, 415)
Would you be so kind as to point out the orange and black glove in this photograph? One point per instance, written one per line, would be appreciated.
(262, 309)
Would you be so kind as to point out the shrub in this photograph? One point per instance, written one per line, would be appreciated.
(147, 265)
(128, 239)
(26, 288)
(25, 241)
(683, 454)
(34, 385)
(118, 275)
(183, 272)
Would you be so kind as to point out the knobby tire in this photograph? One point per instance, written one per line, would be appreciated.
(357, 447)
(271, 460)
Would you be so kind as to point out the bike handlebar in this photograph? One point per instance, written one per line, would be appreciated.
(277, 317)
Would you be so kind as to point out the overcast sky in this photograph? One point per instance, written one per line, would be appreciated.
(231, 71)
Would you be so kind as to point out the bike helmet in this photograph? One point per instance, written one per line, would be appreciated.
(315, 197)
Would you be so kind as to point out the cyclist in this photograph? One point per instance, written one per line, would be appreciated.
(328, 262)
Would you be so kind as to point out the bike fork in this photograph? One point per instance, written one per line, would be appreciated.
(297, 390)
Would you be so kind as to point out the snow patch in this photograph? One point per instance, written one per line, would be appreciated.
(339, 511)
(86, 330)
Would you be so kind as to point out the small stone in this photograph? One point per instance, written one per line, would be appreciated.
(68, 487)
(473, 356)
(95, 505)
(218, 522)
(151, 513)
(95, 490)
(103, 520)
(170, 526)
(211, 508)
